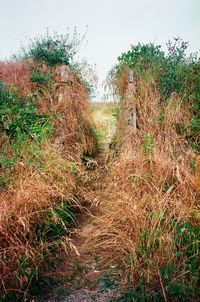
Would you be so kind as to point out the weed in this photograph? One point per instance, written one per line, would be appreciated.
(39, 163)
(148, 147)
(193, 164)
(79, 268)
(20, 117)
(161, 118)
(57, 222)
(41, 78)
(149, 197)
(173, 72)
(41, 286)
(106, 280)
(3, 183)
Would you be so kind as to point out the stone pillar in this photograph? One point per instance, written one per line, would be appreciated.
(130, 114)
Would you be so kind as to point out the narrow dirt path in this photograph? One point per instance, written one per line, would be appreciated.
(92, 277)
(82, 277)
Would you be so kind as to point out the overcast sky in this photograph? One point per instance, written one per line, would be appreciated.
(113, 25)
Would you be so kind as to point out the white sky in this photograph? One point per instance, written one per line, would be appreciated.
(113, 25)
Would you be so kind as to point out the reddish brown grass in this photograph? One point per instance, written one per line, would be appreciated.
(39, 180)
(16, 74)
(145, 193)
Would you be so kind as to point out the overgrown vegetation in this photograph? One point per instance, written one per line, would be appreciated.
(148, 230)
(20, 117)
(53, 49)
(149, 227)
(174, 72)
(45, 127)
(105, 116)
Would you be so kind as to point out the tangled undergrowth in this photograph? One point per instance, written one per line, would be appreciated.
(149, 227)
(45, 130)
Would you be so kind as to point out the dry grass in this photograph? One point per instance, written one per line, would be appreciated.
(23, 205)
(43, 176)
(151, 189)
(17, 74)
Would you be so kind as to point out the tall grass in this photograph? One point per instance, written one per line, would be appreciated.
(148, 226)
(174, 72)
(44, 131)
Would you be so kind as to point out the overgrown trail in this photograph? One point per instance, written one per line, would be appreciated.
(80, 275)
(80, 227)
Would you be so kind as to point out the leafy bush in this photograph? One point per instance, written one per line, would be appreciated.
(19, 116)
(142, 57)
(173, 71)
(53, 49)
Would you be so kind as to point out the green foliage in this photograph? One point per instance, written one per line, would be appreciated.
(19, 117)
(188, 247)
(193, 95)
(97, 135)
(142, 293)
(173, 71)
(182, 285)
(116, 112)
(10, 296)
(58, 220)
(41, 286)
(3, 183)
(179, 285)
(148, 145)
(142, 57)
(53, 49)
(161, 118)
(71, 168)
(41, 78)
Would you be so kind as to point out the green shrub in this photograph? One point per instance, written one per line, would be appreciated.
(40, 78)
(179, 285)
(19, 117)
(193, 95)
(173, 71)
(148, 145)
(142, 57)
(53, 49)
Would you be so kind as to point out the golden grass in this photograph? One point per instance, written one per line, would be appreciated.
(43, 175)
(22, 205)
(151, 188)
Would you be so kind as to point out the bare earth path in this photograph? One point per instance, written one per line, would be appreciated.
(83, 280)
